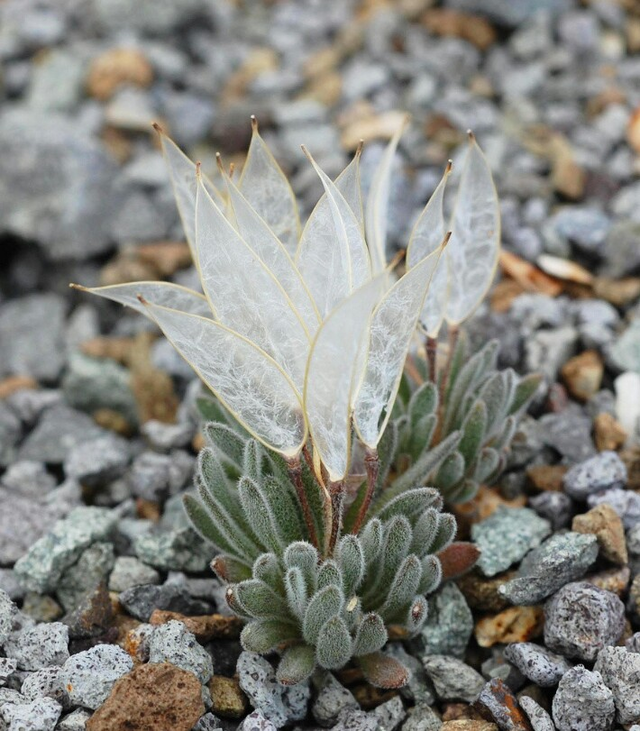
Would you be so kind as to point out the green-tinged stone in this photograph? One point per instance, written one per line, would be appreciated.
(180, 549)
(449, 623)
(41, 568)
(91, 568)
(507, 536)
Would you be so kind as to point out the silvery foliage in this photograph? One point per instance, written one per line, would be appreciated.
(303, 333)
(316, 612)
(463, 444)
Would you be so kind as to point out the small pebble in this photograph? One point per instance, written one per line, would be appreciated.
(89, 676)
(602, 472)
(331, 699)
(506, 536)
(540, 720)
(39, 646)
(626, 503)
(74, 721)
(173, 643)
(556, 507)
(620, 671)
(453, 679)
(535, 662)
(515, 624)
(605, 524)
(581, 619)
(129, 571)
(561, 559)
(583, 702)
(501, 703)
(41, 714)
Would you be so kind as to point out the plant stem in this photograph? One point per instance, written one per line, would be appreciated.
(336, 491)
(444, 382)
(295, 472)
(432, 358)
(372, 466)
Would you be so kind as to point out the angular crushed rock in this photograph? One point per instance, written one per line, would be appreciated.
(41, 568)
(452, 679)
(581, 619)
(561, 559)
(602, 472)
(620, 671)
(89, 676)
(583, 702)
(507, 536)
(539, 665)
(173, 643)
(39, 646)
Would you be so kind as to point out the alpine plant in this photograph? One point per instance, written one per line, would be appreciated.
(314, 486)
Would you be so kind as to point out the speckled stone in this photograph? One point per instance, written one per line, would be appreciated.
(506, 536)
(601, 472)
(542, 667)
(279, 704)
(620, 671)
(89, 676)
(561, 559)
(129, 571)
(556, 507)
(452, 679)
(422, 718)
(173, 643)
(389, 714)
(583, 702)
(42, 566)
(180, 549)
(331, 699)
(39, 646)
(540, 720)
(449, 625)
(91, 569)
(625, 502)
(41, 714)
(581, 619)
(46, 683)
(8, 611)
(256, 722)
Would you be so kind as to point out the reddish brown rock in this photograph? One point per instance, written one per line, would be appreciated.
(516, 624)
(468, 725)
(205, 627)
(605, 524)
(500, 702)
(158, 697)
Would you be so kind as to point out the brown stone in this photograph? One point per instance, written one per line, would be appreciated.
(158, 697)
(583, 374)
(484, 504)
(618, 292)
(482, 593)
(515, 624)
(460, 712)
(530, 277)
(631, 459)
(608, 433)
(370, 697)
(116, 67)
(613, 580)
(605, 524)
(504, 293)
(113, 420)
(166, 257)
(126, 267)
(227, 697)
(468, 725)
(93, 615)
(205, 627)
(117, 349)
(16, 383)
(152, 389)
(371, 127)
(471, 28)
(148, 509)
(547, 478)
(633, 130)
(564, 269)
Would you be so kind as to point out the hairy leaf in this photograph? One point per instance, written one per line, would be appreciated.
(297, 664)
(259, 600)
(263, 635)
(350, 557)
(383, 671)
(333, 646)
(296, 591)
(326, 603)
(371, 635)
